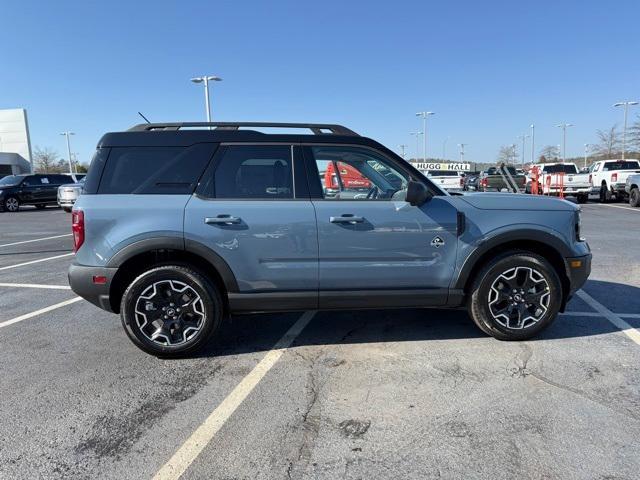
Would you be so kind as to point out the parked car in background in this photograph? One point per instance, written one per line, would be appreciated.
(447, 179)
(554, 178)
(631, 187)
(37, 189)
(470, 182)
(68, 194)
(491, 180)
(245, 225)
(608, 178)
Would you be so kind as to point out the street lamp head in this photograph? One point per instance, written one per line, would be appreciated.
(197, 80)
(213, 78)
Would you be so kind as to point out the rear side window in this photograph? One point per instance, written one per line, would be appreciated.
(153, 170)
(253, 171)
(608, 167)
(569, 169)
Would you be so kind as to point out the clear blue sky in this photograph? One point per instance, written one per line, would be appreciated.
(488, 69)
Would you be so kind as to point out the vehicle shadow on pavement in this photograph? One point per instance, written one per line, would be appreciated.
(250, 333)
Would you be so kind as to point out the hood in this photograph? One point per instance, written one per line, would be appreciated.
(517, 201)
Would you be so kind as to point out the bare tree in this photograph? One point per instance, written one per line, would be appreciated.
(609, 143)
(549, 153)
(507, 154)
(46, 160)
(633, 135)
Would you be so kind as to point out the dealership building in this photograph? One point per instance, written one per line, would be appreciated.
(15, 145)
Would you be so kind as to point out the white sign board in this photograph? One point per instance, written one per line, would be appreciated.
(14, 132)
(459, 167)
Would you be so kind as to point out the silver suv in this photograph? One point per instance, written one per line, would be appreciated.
(182, 224)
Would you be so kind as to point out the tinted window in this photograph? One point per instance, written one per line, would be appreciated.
(570, 169)
(32, 181)
(10, 180)
(442, 173)
(253, 171)
(621, 166)
(60, 179)
(154, 170)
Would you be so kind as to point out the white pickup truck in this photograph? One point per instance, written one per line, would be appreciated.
(608, 177)
(565, 177)
(447, 179)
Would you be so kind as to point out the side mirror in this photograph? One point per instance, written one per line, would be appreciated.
(417, 194)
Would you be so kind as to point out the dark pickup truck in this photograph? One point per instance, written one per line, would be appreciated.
(496, 179)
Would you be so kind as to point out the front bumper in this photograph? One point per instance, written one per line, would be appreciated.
(81, 281)
(578, 271)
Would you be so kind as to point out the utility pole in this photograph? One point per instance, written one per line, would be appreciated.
(624, 130)
(67, 134)
(417, 134)
(444, 148)
(402, 147)
(462, 145)
(424, 116)
(586, 152)
(523, 137)
(533, 144)
(564, 127)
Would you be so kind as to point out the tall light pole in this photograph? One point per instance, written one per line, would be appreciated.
(402, 147)
(444, 148)
(523, 137)
(624, 130)
(462, 145)
(417, 134)
(424, 116)
(206, 80)
(586, 152)
(67, 134)
(564, 127)
(533, 144)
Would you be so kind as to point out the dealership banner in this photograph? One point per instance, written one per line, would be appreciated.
(461, 167)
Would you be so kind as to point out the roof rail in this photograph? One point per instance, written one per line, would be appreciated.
(316, 128)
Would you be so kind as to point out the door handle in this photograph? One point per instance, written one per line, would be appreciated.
(222, 220)
(346, 218)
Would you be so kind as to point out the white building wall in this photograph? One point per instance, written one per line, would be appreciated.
(14, 132)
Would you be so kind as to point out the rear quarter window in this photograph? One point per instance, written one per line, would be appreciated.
(151, 170)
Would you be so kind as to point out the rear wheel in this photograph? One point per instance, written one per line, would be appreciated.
(634, 197)
(67, 209)
(515, 296)
(583, 198)
(171, 310)
(11, 204)
(605, 194)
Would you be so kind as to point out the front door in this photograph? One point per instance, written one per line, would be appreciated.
(249, 211)
(370, 239)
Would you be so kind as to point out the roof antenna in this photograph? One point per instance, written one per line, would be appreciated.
(145, 118)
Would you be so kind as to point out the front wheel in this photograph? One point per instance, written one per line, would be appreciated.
(605, 194)
(515, 296)
(634, 197)
(171, 310)
(11, 204)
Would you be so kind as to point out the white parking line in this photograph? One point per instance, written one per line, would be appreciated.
(35, 261)
(190, 450)
(596, 314)
(627, 329)
(27, 316)
(36, 240)
(631, 209)
(36, 285)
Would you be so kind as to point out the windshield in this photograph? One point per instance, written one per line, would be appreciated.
(633, 165)
(560, 169)
(10, 180)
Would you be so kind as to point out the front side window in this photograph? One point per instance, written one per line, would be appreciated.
(253, 171)
(353, 173)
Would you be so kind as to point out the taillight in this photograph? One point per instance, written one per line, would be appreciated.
(614, 177)
(77, 227)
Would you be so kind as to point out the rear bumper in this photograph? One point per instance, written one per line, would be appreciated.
(81, 282)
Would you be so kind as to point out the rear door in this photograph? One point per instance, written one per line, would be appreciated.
(374, 241)
(252, 209)
(30, 189)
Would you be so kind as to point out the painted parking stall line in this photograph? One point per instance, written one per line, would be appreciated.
(8, 267)
(35, 285)
(27, 316)
(201, 437)
(35, 240)
(627, 329)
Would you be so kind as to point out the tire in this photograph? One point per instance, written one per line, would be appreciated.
(41, 206)
(605, 194)
(634, 197)
(582, 198)
(166, 331)
(11, 204)
(491, 306)
(67, 209)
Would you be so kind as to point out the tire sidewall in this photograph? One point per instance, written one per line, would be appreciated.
(488, 276)
(17, 204)
(209, 294)
(634, 197)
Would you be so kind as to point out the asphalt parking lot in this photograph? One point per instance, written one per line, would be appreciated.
(368, 394)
